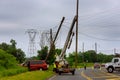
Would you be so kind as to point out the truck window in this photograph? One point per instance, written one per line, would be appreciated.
(116, 60)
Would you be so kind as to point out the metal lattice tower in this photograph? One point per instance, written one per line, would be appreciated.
(31, 48)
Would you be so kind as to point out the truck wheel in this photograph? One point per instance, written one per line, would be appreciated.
(59, 73)
(110, 69)
(73, 72)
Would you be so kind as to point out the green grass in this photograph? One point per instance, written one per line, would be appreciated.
(32, 75)
(81, 65)
(11, 72)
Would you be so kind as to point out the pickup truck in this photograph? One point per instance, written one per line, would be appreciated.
(114, 65)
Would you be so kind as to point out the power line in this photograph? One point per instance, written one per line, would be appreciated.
(93, 37)
(97, 37)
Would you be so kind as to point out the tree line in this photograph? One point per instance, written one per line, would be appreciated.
(88, 56)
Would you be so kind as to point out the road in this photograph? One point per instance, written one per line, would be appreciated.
(88, 74)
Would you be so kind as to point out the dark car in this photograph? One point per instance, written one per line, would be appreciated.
(37, 65)
(97, 65)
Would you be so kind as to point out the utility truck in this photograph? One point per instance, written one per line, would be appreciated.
(114, 65)
(62, 66)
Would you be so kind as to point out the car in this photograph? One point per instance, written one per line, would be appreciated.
(37, 65)
(97, 65)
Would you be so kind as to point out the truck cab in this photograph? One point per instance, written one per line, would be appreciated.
(114, 65)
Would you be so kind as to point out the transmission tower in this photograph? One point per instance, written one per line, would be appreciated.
(31, 48)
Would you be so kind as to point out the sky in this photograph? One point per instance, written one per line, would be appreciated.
(98, 22)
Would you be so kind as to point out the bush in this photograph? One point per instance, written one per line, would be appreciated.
(7, 61)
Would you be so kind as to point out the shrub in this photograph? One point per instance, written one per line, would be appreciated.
(6, 60)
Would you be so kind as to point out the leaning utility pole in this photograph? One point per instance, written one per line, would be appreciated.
(53, 41)
(51, 37)
(58, 29)
(76, 56)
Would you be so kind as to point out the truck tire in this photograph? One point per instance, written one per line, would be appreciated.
(73, 72)
(110, 69)
(59, 73)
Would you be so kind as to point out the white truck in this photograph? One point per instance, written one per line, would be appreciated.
(114, 65)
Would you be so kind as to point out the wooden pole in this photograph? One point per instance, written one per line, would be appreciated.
(76, 56)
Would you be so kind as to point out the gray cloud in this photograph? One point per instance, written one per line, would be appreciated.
(97, 18)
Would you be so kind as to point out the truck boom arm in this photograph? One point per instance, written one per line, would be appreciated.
(67, 39)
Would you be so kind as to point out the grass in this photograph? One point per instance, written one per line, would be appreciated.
(32, 75)
(81, 65)
(11, 72)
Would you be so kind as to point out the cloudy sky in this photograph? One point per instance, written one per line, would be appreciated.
(98, 22)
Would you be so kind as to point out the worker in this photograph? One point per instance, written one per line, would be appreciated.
(56, 64)
(84, 65)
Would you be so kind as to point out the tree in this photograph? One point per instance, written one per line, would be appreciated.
(51, 57)
(42, 53)
(58, 51)
(7, 60)
(90, 56)
(13, 42)
(71, 58)
(80, 57)
(4, 46)
(20, 55)
(11, 49)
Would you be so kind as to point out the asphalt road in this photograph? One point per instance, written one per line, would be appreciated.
(88, 74)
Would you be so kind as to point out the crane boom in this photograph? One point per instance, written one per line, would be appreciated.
(68, 38)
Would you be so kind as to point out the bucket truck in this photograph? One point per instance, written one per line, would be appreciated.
(61, 63)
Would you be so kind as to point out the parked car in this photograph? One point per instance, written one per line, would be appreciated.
(37, 65)
(97, 65)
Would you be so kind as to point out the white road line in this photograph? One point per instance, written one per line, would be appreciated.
(52, 78)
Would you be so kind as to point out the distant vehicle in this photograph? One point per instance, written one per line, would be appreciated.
(97, 65)
(114, 65)
(37, 65)
(103, 65)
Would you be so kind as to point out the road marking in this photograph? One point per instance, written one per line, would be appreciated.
(114, 79)
(52, 78)
(110, 74)
(86, 77)
(106, 77)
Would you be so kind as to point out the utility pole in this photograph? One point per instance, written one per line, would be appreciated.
(96, 48)
(114, 50)
(83, 47)
(83, 51)
(76, 56)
